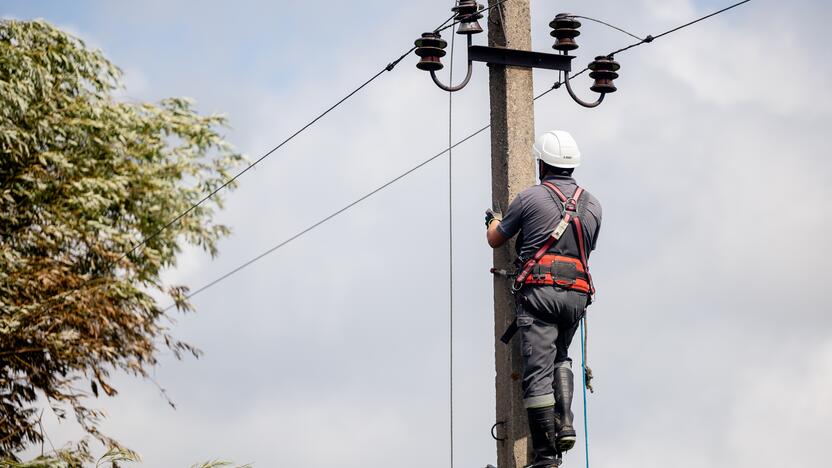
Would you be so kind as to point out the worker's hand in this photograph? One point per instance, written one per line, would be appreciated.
(491, 215)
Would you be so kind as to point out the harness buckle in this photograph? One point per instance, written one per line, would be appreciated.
(569, 205)
(537, 273)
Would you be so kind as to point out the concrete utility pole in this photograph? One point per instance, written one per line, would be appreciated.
(512, 170)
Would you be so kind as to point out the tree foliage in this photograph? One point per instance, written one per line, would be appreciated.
(114, 457)
(84, 177)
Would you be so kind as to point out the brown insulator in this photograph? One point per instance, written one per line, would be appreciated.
(467, 13)
(565, 30)
(604, 71)
(430, 48)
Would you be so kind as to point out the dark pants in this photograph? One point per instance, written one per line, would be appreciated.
(547, 318)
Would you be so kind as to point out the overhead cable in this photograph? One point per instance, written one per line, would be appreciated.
(334, 214)
(555, 86)
(451, 247)
(345, 208)
(225, 184)
(607, 24)
(650, 38)
(389, 67)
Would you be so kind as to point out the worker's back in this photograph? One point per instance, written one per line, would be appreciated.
(536, 211)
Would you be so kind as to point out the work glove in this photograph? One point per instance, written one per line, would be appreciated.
(491, 215)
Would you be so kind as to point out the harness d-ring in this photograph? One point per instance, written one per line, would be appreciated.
(516, 287)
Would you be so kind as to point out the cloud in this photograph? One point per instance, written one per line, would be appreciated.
(711, 266)
(783, 406)
(775, 412)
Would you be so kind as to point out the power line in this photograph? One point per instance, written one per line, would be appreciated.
(346, 207)
(451, 246)
(228, 182)
(555, 86)
(390, 66)
(608, 25)
(650, 38)
(333, 215)
(701, 19)
(442, 26)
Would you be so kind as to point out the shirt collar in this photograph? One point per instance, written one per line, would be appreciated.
(564, 178)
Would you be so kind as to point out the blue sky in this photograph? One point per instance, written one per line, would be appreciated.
(710, 332)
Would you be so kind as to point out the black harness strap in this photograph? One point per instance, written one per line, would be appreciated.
(512, 330)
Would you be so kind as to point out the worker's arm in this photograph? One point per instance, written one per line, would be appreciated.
(500, 228)
(495, 238)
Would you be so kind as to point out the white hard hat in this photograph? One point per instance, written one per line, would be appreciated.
(557, 148)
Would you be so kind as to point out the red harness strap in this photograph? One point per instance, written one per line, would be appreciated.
(569, 215)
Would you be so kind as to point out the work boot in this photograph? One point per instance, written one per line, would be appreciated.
(564, 383)
(542, 428)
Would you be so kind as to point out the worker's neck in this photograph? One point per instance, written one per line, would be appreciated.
(557, 175)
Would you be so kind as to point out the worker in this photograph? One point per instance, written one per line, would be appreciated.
(558, 224)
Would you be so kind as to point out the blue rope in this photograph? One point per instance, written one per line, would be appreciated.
(583, 380)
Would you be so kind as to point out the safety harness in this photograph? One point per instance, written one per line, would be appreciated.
(552, 269)
(547, 268)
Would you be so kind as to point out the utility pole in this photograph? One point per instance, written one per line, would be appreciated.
(510, 61)
(512, 170)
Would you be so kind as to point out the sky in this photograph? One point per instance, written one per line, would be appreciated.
(710, 338)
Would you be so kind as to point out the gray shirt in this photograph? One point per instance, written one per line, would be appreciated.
(535, 212)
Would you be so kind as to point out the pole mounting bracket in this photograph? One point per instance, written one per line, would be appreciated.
(520, 58)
